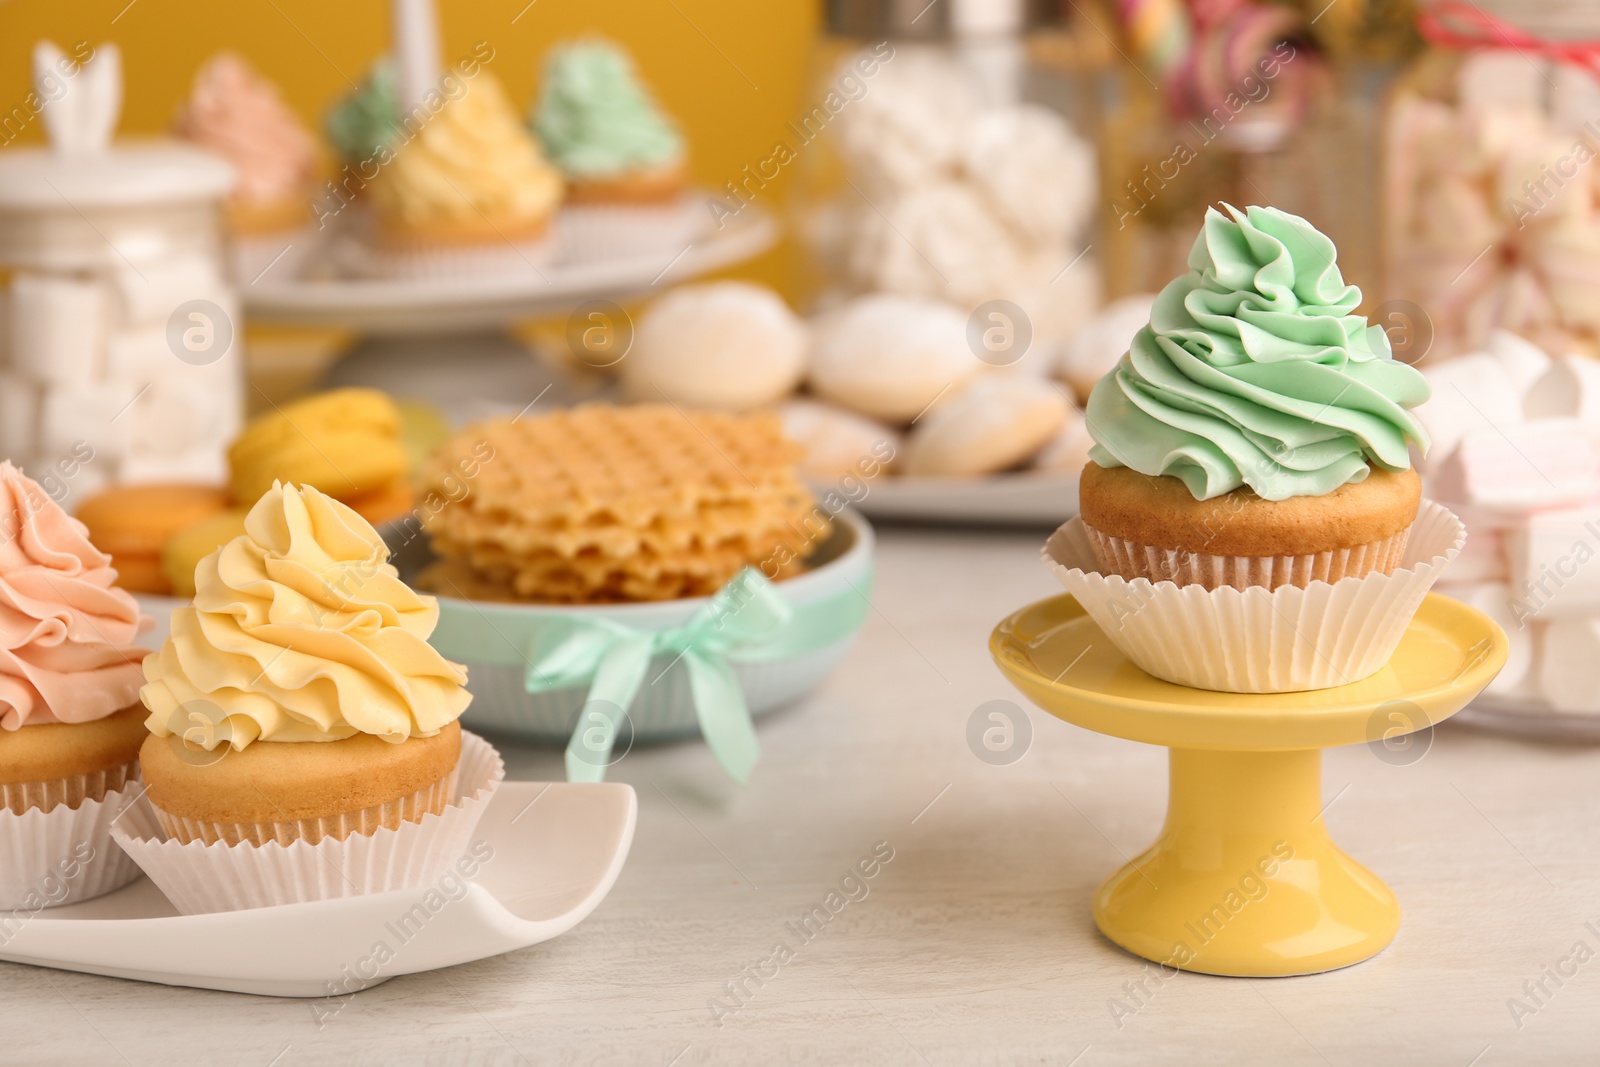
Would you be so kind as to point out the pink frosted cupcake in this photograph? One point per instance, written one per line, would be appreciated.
(238, 114)
(70, 718)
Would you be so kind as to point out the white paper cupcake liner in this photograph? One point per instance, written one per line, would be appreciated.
(20, 797)
(200, 878)
(1133, 560)
(1255, 640)
(411, 808)
(595, 232)
(450, 262)
(61, 856)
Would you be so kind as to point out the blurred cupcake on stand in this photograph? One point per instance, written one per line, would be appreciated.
(623, 158)
(238, 114)
(464, 193)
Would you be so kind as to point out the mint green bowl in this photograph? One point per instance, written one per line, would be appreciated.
(498, 641)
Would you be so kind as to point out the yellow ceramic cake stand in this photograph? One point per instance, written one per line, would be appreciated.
(1244, 879)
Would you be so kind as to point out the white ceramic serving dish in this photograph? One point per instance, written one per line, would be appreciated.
(557, 849)
(1019, 499)
(664, 709)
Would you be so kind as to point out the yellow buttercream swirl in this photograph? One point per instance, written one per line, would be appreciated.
(301, 631)
(471, 161)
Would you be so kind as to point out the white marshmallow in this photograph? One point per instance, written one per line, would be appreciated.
(1091, 353)
(186, 409)
(202, 465)
(994, 424)
(140, 353)
(891, 356)
(1470, 393)
(19, 418)
(1555, 564)
(1522, 467)
(1523, 361)
(1494, 600)
(1495, 79)
(719, 345)
(1566, 670)
(838, 443)
(1482, 558)
(149, 295)
(1571, 387)
(1575, 100)
(96, 415)
(56, 328)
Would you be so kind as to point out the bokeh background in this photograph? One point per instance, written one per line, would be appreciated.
(730, 71)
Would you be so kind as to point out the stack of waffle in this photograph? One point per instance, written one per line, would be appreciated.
(604, 504)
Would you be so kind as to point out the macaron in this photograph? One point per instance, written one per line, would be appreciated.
(345, 442)
(186, 548)
(133, 523)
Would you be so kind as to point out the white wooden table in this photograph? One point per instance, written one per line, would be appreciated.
(974, 944)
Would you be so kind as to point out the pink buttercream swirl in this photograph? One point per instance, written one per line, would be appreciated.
(66, 634)
(239, 115)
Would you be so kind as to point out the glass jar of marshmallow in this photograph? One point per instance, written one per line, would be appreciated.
(1492, 192)
(945, 195)
(1242, 102)
(120, 359)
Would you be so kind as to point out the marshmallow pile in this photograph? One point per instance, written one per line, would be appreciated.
(1493, 191)
(1516, 453)
(92, 387)
(958, 196)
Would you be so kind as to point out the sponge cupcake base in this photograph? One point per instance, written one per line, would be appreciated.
(46, 765)
(1141, 526)
(273, 791)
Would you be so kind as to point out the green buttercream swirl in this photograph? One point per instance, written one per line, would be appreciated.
(366, 119)
(594, 118)
(1254, 370)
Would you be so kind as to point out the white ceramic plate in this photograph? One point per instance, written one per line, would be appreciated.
(387, 306)
(557, 850)
(995, 500)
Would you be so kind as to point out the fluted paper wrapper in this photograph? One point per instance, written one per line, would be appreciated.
(62, 856)
(200, 878)
(1257, 640)
(600, 232)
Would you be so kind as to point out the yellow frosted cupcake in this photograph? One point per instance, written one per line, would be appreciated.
(298, 698)
(1257, 432)
(469, 193)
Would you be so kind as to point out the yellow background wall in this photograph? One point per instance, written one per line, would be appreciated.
(732, 71)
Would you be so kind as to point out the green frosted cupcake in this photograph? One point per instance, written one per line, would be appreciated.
(1258, 430)
(599, 124)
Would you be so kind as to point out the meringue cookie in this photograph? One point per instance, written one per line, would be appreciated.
(942, 240)
(1038, 175)
(836, 441)
(1095, 349)
(890, 356)
(908, 128)
(994, 424)
(729, 345)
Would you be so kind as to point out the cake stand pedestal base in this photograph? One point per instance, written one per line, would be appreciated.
(1244, 879)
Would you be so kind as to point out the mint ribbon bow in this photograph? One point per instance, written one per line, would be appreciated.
(746, 619)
